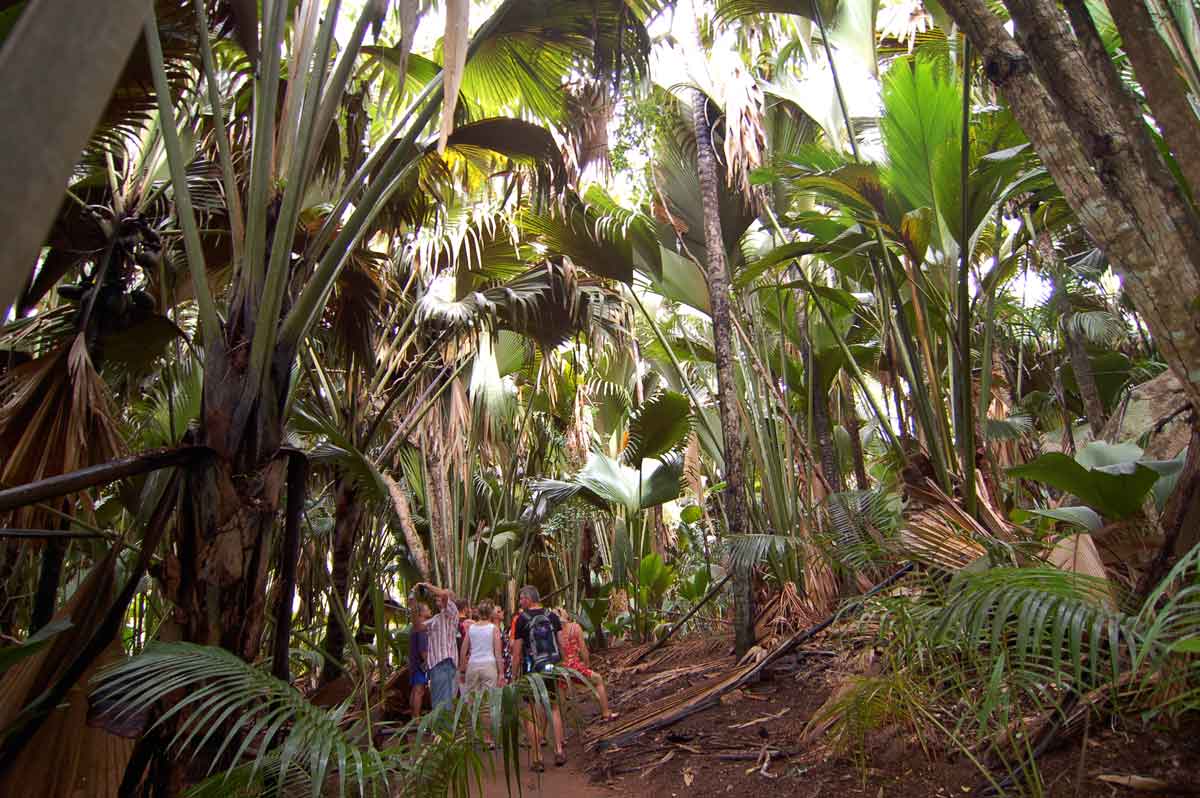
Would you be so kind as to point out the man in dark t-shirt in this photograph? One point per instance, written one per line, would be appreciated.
(532, 656)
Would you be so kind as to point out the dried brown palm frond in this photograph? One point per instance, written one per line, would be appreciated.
(57, 416)
(590, 109)
(745, 135)
(940, 532)
(68, 756)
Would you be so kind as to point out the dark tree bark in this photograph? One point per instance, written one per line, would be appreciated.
(718, 291)
(1085, 378)
(854, 428)
(1180, 518)
(1156, 71)
(823, 427)
(347, 517)
(1089, 134)
(289, 558)
(49, 576)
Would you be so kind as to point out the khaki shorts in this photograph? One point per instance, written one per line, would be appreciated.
(481, 677)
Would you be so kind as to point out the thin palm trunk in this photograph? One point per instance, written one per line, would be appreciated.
(347, 519)
(854, 428)
(1085, 378)
(718, 290)
(49, 576)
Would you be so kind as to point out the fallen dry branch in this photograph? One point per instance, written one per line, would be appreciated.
(675, 708)
(763, 719)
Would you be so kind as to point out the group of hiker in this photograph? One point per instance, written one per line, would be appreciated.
(465, 650)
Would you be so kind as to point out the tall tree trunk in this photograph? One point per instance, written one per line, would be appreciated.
(854, 428)
(436, 496)
(412, 538)
(1085, 378)
(823, 425)
(289, 560)
(347, 517)
(718, 291)
(1081, 364)
(54, 550)
(1088, 131)
(1158, 75)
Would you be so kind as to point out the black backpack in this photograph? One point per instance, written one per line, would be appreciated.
(543, 643)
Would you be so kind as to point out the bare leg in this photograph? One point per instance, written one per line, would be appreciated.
(416, 697)
(602, 694)
(531, 729)
(556, 721)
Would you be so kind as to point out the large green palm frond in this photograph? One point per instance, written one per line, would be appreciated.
(281, 744)
(539, 42)
(243, 712)
(610, 486)
(659, 425)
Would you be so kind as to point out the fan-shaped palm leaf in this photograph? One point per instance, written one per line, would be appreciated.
(660, 425)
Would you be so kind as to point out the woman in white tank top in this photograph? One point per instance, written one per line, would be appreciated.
(481, 652)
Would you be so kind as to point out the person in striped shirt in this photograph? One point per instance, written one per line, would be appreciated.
(442, 658)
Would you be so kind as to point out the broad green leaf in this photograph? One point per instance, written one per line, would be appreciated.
(1084, 517)
(661, 424)
(1115, 495)
(1095, 454)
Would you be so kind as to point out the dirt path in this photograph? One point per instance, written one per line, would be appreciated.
(568, 781)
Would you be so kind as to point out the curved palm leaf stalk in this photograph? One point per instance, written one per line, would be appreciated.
(305, 311)
(296, 174)
(883, 276)
(784, 408)
(233, 197)
(183, 198)
(966, 419)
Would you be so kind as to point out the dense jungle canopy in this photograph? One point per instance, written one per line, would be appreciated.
(708, 318)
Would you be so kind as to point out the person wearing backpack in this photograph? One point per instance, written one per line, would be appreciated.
(537, 645)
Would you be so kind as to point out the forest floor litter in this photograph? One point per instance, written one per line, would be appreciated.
(755, 737)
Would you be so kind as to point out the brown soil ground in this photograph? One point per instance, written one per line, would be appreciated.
(704, 756)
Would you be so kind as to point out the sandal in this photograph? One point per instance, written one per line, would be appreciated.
(612, 716)
(538, 767)
(560, 759)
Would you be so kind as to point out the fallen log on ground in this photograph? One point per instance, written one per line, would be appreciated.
(678, 707)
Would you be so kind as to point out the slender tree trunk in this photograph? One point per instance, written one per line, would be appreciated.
(823, 426)
(1085, 378)
(436, 490)
(1158, 75)
(412, 538)
(347, 517)
(718, 291)
(289, 559)
(1180, 518)
(49, 576)
(1089, 133)
(854, 428)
